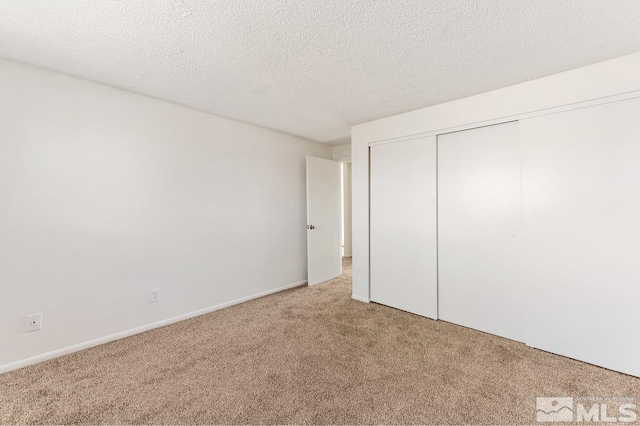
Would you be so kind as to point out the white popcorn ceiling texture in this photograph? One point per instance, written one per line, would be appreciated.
(315, 68)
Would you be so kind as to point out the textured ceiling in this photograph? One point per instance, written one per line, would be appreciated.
(315, 68)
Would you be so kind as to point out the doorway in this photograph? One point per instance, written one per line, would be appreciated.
(346, 237)
(329, 227)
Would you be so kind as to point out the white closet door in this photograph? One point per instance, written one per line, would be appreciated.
(581, 211)
(479, 227)
(403, 226)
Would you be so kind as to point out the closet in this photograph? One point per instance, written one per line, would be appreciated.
(403, 226)
(581, 215)
(479, 227)
(528, 230)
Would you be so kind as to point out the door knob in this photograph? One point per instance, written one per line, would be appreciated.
(311, 227)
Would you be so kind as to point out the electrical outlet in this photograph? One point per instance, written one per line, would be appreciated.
(154, 295)
(34, 322)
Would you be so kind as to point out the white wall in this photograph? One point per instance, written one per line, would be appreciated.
(106, 195)
(342, 152)
(605, 81)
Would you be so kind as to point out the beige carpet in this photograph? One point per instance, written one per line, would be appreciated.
(307, 355)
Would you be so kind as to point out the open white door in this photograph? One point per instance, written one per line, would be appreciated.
(323, 220)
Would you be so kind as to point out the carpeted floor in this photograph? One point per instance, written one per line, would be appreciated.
(307, 355)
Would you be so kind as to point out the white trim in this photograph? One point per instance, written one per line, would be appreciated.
(531, 114)
(360, 299)
(121, 335)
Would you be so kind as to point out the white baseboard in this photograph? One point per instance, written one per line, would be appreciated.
(360, 299)
(110, 338)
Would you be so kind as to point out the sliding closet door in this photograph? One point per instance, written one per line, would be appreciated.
(403, 226)
(479, 230)
(581, 211)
